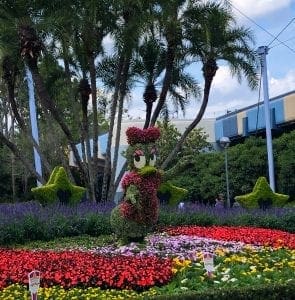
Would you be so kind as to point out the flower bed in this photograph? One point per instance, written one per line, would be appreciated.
(72, 268)
(169, 263)
(249, 235)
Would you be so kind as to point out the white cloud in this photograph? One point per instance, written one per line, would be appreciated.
(254, 8)
(223, 81)
(226, 95)
(279, 86)
(108, 44)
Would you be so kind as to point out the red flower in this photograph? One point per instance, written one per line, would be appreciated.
(147, 186)
(249, 235)
(143, 136)
(72, 268)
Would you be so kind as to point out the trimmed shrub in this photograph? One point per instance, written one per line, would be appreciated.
(262, 196)
(59, 188)
(274, 291)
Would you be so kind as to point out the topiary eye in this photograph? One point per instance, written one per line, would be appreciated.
(139, 159)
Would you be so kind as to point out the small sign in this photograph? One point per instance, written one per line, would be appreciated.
(34, 283)
(181, 205)
(208, 263)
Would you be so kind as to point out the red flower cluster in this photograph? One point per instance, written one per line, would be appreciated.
(149, 203)
(143, 136)
(74, 268)
(249, 235)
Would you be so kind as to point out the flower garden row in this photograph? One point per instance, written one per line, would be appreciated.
(170, 262)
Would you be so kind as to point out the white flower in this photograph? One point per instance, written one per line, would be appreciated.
(225, 278)
(233, 279)
(184, 280)
(216, 281)
(184, 288)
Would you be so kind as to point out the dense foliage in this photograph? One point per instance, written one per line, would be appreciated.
(204, 177)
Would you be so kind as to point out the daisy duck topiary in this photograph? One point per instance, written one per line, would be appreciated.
(135, 216)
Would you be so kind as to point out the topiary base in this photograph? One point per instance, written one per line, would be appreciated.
(128, 230)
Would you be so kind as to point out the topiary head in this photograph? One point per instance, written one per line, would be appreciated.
(141, 154)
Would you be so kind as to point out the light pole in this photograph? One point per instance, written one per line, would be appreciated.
(262, 51)
(224, 143)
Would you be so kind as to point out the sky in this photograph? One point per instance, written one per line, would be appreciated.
(227, 94)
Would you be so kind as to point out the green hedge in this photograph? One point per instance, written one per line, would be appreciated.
(32, 228)
(274, 291)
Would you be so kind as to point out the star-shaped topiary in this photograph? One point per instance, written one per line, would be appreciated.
(262, 195)
(58, 188)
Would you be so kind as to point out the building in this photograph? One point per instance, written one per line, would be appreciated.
(250, 120)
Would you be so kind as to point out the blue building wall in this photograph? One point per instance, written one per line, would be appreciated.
(230, 126)
(246, 121)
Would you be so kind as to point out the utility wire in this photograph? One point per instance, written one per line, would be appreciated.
(273, 36)
(276, 37)
(292, 38)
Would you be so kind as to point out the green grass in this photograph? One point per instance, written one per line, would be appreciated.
(75, 242)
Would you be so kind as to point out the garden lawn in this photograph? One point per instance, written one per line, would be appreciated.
(170, 262)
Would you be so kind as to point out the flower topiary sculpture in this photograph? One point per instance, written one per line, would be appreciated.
(134, 217)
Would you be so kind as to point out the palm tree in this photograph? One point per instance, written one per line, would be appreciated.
(146, 68)
(169, 21)
(133, 17)
(30, 49)
(11, 66)
(213, 35)
(10, 72)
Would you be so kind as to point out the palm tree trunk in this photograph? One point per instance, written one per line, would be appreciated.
(92, 72)
(166, 82)
(91, 176)
(209, 72)
(125, 72)
(120, 175)
(107, 167)
(47, 103)
(21, 157)
(12, 158)
(149, 108)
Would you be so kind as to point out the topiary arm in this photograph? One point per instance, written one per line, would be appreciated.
(132, 194)
(184, 163)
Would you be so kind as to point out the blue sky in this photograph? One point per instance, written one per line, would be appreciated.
(227, 93)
